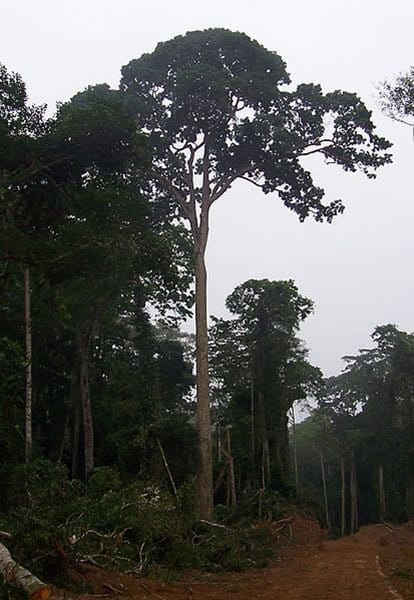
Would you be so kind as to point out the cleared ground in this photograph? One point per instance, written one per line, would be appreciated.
(377, 563)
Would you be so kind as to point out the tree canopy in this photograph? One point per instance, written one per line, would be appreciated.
(217, 104)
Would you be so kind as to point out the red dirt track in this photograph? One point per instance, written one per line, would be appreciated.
(376, 564)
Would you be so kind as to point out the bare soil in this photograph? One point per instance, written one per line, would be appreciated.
(375, 564)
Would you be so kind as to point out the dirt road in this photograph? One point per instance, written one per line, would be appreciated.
(341, 570)
(372, 565)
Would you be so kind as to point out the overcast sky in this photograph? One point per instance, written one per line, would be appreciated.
(359, 270)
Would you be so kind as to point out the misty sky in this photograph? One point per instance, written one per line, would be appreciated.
(359, 270)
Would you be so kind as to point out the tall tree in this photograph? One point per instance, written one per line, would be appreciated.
(216, 109)
(257, 357)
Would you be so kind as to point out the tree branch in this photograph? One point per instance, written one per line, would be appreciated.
(187, 209)
(259, 185)
(206, 165)
(224, 184)
(316, 151)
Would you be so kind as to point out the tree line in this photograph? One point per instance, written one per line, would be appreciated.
(356, 450)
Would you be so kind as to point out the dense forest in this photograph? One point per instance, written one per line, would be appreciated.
(122, 438)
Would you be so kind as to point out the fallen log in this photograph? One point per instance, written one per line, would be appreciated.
(13, 573)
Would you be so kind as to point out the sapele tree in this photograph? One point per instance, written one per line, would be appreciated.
(217, 108)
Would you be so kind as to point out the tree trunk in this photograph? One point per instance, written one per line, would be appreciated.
(12, 572)
(325, 493)
(265, 463)
(75, 436)
(218, 431)
(167, 467)
(281, 452)
(381, 492)
(252, 434)
(29, 385)
(343, 494)
(354, 496)
(262, 445)
(205, 466)
(86, 407)
(295, 449)
(232, 482)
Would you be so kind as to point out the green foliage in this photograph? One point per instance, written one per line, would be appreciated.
(12, 364)
(365, 415)
(237, 549)
(222, 92)
(124, 526)
(253, 506)
(259, 369)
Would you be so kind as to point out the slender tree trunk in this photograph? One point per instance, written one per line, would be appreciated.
(218, 430)
(281, 450)
(343, 495)
(29, 384)
(295, 449)
(325, 492)
(260, 421)
(265, 463)
(86, 407)
(354, 496)
(252, 435)
(381, 492)
(75, 436)
(167, 467)
(205, 463)
(232, 482)
(220, 478)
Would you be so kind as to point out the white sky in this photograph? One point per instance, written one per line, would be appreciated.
(358, 270)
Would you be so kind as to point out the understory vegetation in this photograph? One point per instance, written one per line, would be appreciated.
(57, 524)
